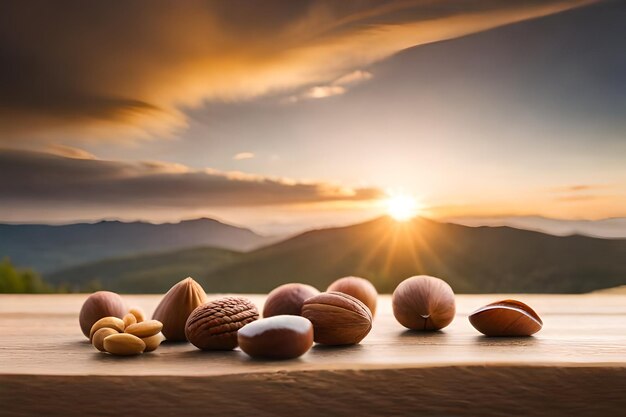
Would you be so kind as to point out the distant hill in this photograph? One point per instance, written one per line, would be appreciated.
(605, 228)
(153, 273)
(48, 248)
(471, 259)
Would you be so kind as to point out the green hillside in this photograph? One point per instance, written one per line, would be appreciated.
(153, 273)
(471, 259)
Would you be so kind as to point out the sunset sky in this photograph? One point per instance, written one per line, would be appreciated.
(284, 115)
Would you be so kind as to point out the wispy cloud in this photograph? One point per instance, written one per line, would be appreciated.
(164, 57)
(243, 155)
(55, 182)
(353, 77)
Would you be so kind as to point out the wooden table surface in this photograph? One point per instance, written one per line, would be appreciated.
(576, 365)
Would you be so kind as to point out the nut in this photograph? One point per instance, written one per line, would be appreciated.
(338, 318)
(359, 288)
(124, 344)
(423, 303)
(138, 313)
(145, 328)
(214, 326)
(152, 342)
(277, 337)
(97, 305)
(176, 306)
(110, 322)
(506, 318)
(98, 337)
(287, 299)
(129, 319)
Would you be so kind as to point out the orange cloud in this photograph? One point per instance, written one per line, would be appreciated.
(88, 80)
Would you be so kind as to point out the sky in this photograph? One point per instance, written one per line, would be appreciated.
(284, 115)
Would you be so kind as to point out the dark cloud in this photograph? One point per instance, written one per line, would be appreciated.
(46, 180)
(130, 67)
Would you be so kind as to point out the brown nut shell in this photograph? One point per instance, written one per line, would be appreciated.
(152, 342)
(423, 303)
(338, 318)
(98, 337)
(506, 318)
(98, 305)
(214, 326)
(110, 322)
(176, 306)
(145, 328)
(359, 288)
(277, 337)
(288, 299)
(124, 344)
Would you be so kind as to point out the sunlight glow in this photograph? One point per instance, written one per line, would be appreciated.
(402, 207)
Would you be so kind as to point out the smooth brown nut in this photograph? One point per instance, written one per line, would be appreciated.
(214, 326)
(506, 318)
(98, 305)
(338, 318)
(138, 313)
(110, 322)
(287, 299)
(145, 328)
(98, 337)
(423, 303)
(359, 288)
(176, 306)
(124, 344)
(152, 342)
(129, 319)
(277, 337)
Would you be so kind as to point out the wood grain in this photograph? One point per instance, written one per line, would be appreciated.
(576, 365)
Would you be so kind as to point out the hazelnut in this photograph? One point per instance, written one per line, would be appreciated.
(359, 288)
(287, 299)
(277, 337)
(338, 318)
(423, 303)
(98, 305)
(506, 318)
(214, 326)
(176, 306)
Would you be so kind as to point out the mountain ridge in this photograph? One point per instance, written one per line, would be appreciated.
(472, 259)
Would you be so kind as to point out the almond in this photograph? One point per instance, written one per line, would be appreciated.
(176, 306)
(145, 328)
(124, 344)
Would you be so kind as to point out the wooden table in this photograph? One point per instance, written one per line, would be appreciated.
(575, 366)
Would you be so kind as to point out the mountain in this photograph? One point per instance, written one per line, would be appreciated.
(151, 273)
(605, 228)
(471, 259)
(48, 248)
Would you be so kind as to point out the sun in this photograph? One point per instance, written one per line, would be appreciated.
(402, 207)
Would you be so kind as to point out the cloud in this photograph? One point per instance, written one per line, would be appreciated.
(353, 77)
(69, 152)
(243, 155)
(33, 179)
(578, 188)
(120, 70)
